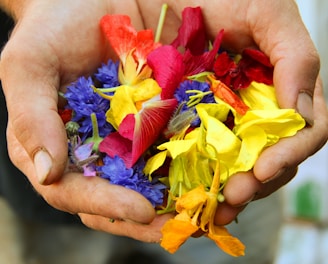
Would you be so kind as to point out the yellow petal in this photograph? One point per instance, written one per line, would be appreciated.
(177, 147)
(259, 96)
(224, 240)
(218, 135)
(276, 123)
(121, 105)
(218, 111)
(146, 90)
(155, 162)
(254, 140)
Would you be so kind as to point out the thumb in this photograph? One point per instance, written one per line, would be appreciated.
(293, 54)
(31, 97)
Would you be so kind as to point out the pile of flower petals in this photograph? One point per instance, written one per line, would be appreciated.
(174, 125)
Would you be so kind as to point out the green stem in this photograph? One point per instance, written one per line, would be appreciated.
(96, 139)
(161, 23)
(102, 94)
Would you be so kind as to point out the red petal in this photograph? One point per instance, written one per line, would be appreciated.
(256, 66)
(258, 56)
(126, 128)
(65, 114)
(204, 62)
(191, 34)
(224, 65)
(145, 44)
(120, 33)
(168, 68)
(114, 144)
(149, 124)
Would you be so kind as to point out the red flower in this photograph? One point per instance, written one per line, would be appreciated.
(253, 66)
(65, 114)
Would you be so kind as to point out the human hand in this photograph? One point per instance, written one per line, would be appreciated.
(275, 27)
(50, 47)
(64, 45)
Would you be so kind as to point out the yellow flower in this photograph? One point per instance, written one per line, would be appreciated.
(196, 210)
(263, 125)
(129, 99)
(195, 180)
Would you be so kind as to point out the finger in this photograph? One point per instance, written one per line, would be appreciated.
(290, 152)
(96, 196)
(226, 213)
(75, 193)
(31, 96)
(291, 51)
(273, 185)
(241, 188)
(147, 233)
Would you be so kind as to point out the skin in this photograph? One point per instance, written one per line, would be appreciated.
(54, 43)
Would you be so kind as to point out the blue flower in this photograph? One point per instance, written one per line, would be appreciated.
(108, 74)
(184, 92)
(133, 178)
(84, 101)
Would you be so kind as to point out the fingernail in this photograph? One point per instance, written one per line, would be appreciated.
(276, 175)
(42, 165)
(305, 107)
(246, 202)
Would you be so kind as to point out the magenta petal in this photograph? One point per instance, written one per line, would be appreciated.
(168, 69)
(200, 63)
(191, 33)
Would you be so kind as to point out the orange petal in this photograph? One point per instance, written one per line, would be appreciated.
(191, 199)
(175, 233)
(224, 240)
(223, 92)
(120, 34)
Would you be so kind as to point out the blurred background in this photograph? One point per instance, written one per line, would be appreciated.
(303, 236)
(295, 230)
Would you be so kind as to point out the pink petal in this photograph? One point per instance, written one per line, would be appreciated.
(168, 69)
(191, 34)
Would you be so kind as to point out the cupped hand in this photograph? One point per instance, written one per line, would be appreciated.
(277, 165)
(52, 45)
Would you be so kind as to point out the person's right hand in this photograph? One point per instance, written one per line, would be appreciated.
(53, 43)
